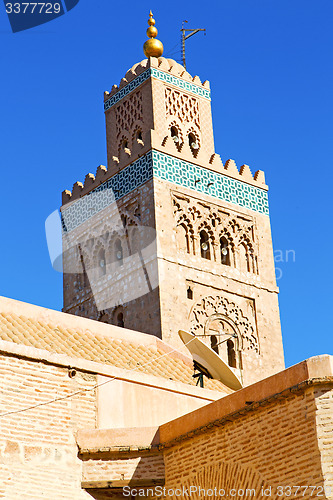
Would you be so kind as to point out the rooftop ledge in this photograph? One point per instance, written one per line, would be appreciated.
(317, 370)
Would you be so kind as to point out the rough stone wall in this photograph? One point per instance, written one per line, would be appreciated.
(38, 452)
(274, 445)
(99, 297)
(250, 298)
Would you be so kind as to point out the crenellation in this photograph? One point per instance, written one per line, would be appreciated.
(246, 173)
(196, 80)
(122, 83)
(164, 64)
(77, 189)
(114, 89)
(130, 75)
(186, 76)
(215, 161)
(167, 146)
(66, 196)
(231, 167)
(89, 181)
(101, 174)
(259, 176)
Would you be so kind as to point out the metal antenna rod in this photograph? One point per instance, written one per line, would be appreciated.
(185, 37)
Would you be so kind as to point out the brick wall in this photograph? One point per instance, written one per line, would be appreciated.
(281, 443)
(324, 421)
(38, 453)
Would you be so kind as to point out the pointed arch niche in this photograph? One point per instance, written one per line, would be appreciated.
(214, 314)
(225, 339)
(183, 237)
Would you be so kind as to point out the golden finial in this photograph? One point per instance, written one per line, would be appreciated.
(152, 47)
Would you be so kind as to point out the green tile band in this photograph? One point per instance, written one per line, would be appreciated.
(160, 75)
(168, 168)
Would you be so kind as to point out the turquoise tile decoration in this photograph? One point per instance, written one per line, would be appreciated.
(211, 183)
(160, 75)
(168, 168)
(122, 183)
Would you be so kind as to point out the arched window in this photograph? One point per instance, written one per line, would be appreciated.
(225, 251)
(174, 135)
(101, 262)
(192, 141)
(189, 293)
(183, 238)
(244, 261)
(214, 343)
(134, 238)
(204, 245)
(231, 353)
(118, 252)
(120, 320)
(194, 145)
(224, 339)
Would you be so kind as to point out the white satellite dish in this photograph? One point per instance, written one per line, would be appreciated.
(211, 361)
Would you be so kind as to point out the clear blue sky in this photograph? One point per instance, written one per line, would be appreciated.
(271, 71)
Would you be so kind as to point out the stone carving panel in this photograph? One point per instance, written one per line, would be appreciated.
(213, 306)
(128, 113)
(182, 106)
(237, 232)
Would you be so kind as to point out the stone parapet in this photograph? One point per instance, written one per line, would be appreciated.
(216, 166)
(177, 76)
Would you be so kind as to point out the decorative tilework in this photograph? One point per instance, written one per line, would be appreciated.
(171, 169)
(208, 182)
(161, 75)
(127, 89)
(131, 177)
(180, 83)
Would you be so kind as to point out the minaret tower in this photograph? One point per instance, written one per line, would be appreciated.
(166, 237)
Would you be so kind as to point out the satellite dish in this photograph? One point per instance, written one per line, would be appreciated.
(194, 145)
(206, 357)
(224, 251)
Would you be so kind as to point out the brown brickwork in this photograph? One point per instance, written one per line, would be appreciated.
(38, 453)
(279, 441)
(324, 422)
(277, 432)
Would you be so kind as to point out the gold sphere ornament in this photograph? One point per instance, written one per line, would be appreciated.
(152, 47)
(151, 32)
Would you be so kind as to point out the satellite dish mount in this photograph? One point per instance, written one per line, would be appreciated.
(202, 371)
